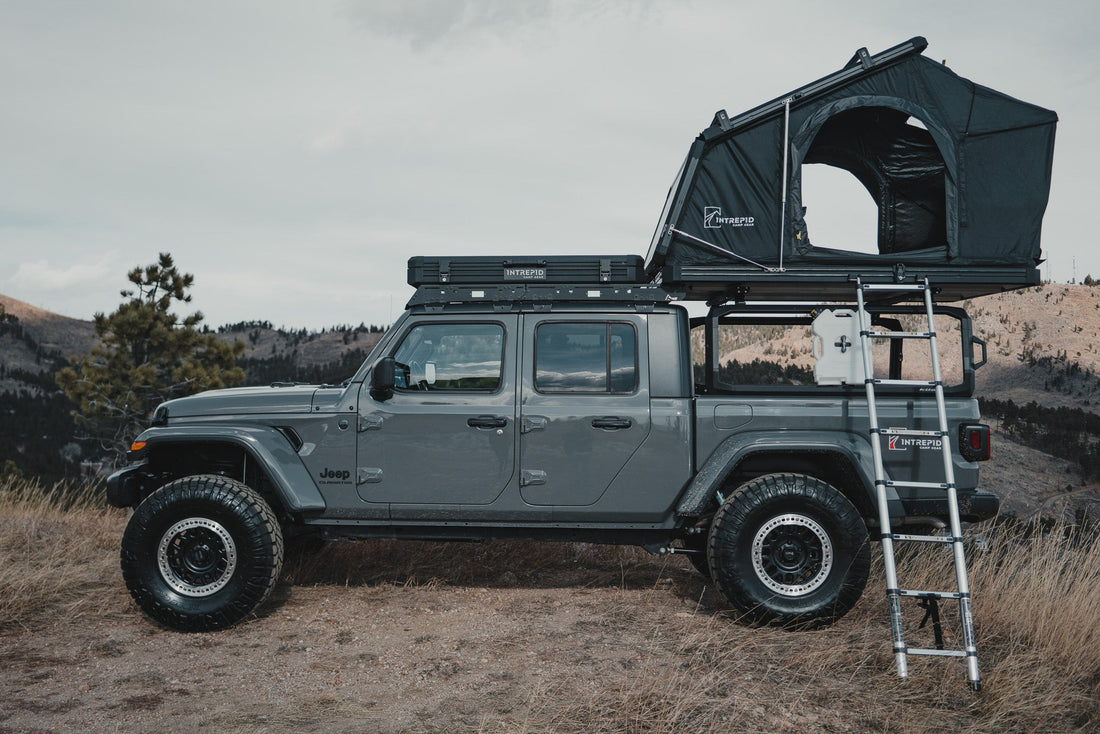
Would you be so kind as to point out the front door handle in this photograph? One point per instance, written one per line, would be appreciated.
(487, 421)
(611, 423)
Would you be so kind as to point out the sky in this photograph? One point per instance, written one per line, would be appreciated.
(293, 155)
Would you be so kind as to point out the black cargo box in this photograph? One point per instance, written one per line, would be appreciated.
(573, 269)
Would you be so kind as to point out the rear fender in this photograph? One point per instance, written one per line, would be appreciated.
(701, 496)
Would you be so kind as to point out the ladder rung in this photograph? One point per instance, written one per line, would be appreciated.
(936, 653)
(946, 540)
(911, 432)
(899, 334)
(921, 594)
(892, 286)
(919, 485)
(904, 383)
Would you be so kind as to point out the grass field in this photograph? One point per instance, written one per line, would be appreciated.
(1036, 604)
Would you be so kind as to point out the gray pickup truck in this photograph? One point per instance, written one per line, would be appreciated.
(594, 412)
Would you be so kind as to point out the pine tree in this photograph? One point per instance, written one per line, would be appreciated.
(146, 355)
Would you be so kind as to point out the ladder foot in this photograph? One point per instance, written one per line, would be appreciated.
(975, 686)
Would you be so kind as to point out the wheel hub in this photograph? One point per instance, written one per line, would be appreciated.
(197, 556)
(792, 554)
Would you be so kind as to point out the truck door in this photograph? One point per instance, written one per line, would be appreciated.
(584, 405)
(447, 435)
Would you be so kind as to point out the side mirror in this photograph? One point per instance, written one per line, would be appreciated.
(382, 380)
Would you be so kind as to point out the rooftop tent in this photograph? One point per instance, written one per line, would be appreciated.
(960, 175)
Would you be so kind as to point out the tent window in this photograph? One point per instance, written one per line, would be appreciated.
(840, 215)
(898, 163)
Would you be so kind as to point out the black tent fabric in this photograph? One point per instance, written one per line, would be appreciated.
(960, 174)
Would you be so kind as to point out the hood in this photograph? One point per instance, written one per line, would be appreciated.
(242, 400)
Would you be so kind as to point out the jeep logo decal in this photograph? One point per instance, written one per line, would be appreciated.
(342, 475)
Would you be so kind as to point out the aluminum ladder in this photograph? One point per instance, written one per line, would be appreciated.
(929, 600)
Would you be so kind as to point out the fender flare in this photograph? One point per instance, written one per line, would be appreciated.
(700, 494)
(264, 445)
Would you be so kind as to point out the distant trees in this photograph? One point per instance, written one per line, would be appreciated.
(287, 368)
(758, 372)
(146, 355)
(1068, 433)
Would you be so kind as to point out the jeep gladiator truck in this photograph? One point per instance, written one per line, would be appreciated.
(597, 412)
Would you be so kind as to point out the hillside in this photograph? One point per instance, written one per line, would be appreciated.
(33, 342)
(37, 427)
(1042, 345)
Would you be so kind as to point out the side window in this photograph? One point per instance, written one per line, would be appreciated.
(450, 357)
(753, 353)
(586, 357)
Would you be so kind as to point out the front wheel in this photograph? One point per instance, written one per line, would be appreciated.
(789, 549)
(201, 553)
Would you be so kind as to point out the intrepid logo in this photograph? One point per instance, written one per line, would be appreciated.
(524, 273)
(899, 443)
(713, 219)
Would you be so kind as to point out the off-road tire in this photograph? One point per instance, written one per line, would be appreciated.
(789, 549)
(201, 553)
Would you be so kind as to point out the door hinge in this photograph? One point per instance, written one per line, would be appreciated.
(527, 477)
(532, 423)
(370, 422)
(368, 475)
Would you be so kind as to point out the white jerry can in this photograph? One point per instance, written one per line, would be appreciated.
(837, 350)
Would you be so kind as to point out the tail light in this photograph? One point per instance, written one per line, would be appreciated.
(974, 441)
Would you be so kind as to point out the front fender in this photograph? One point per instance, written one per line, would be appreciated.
(700, 496)
(263, 444)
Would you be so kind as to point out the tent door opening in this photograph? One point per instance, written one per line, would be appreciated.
(896, 160)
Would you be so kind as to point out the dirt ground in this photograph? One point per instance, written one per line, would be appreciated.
(417, 656)
(388, 636)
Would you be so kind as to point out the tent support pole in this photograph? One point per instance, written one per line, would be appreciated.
(719, 250)
(786, 152)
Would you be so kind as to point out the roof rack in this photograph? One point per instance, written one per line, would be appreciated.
(539, 297)
(476, 270)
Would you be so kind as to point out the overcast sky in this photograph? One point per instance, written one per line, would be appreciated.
(293, 155)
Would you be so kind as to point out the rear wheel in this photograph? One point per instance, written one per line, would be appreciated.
(201, 553)
(789, 549)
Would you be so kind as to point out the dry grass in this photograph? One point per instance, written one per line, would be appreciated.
(1037, 606)
(58, 554)
(1037, 603)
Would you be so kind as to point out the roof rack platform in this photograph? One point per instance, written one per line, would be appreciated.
(538, 297)
(718, 283)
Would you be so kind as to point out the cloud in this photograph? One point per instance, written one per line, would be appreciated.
(424, 22)
(41, 275)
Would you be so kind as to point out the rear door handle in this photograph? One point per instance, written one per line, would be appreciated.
(487, 421)
(611, 423)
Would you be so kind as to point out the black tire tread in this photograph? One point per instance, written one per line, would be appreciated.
(226, 495)
(751, 599)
